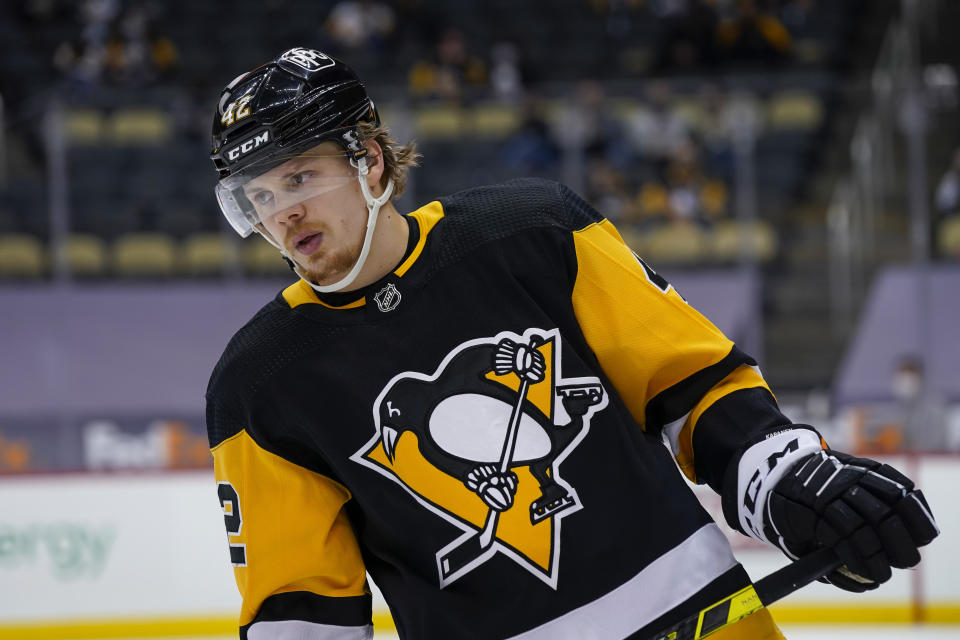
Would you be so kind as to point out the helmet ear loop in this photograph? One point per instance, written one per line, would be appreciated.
(360, 164)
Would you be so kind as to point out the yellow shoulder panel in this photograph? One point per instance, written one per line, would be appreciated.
(426, 216)
(287, 529)
(646, 340)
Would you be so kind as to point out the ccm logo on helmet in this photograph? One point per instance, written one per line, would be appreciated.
(250, 144)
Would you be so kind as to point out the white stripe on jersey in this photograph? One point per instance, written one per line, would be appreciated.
(302, 630)
(662, 585)
(673, 432)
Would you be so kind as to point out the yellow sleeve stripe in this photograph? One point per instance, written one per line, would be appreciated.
(291, 525)
(743, 377)
(646, 340)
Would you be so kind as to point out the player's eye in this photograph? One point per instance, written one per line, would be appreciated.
(301, 178)
(262, 198)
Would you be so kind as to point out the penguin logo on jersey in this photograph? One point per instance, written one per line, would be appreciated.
(479, 442)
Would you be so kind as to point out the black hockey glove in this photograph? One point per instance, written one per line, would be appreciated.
(868, 512)
(789, 491)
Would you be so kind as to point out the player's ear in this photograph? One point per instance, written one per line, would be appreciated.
(376, 166)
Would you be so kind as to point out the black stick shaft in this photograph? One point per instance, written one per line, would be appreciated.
(795, 575)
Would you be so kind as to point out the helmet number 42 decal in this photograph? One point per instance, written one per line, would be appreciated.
(236, 110)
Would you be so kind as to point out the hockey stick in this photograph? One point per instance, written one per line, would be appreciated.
(750, 599)
(471, 548)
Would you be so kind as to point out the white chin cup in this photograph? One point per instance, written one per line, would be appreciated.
(373, 208)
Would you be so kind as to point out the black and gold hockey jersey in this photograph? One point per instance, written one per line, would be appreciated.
(519, 338)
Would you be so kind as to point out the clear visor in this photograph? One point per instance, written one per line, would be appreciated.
(248, 197)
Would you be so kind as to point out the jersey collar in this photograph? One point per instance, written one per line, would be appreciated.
(301, 293)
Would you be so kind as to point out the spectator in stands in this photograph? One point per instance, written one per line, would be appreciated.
(692, 198)
(713, 126)
(452, 72)
(354, 24)
(753, 35)
(656, 130)
(587, 123)
(135, 53)
(506, 74)
(81, 63)
(914, 419)
(96, 16)
(532, 148)
(82, 59)
(947, 198)
(651, 207)
(923, 411)
(609, 192)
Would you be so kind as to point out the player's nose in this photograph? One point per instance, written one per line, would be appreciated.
(290, 214)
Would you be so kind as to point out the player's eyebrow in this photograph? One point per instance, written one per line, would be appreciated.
(294, 165)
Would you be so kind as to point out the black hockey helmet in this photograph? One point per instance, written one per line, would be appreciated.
(278, 110)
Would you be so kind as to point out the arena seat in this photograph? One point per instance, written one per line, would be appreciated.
(83, 126)
(726, 241)
(794, 109)
(86, 255)
(260, 258)
(144, 255)
(677, 243)
(139, 126)
(948, 238)
(494, 120)
(21, 257)
(207, 254)
(439, 122)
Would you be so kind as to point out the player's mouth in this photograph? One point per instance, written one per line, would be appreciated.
(308, 242)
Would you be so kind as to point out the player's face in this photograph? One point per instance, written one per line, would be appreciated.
(313, 206)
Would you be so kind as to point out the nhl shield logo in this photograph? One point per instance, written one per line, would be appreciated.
(387, 298)
(479, 443)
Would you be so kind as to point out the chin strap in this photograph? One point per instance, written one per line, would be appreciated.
(373, 208)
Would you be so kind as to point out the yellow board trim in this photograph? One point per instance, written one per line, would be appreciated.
(895, 613)
(143, 628)
(122, 628)
(426, 216)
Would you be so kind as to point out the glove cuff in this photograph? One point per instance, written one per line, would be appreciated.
(761, 463)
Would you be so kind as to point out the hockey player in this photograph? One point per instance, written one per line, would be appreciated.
(470, 402)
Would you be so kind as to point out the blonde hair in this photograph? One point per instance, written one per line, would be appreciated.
(397, 158)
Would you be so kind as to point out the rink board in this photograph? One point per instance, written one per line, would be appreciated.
(143, 554)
